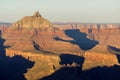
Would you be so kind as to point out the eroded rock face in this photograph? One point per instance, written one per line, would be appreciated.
(30, 22)
(28, 40)
(26, 35)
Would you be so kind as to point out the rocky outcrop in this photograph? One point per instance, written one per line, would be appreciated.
(99, 56)
(37, 14)
(32, 22)
(45, 64)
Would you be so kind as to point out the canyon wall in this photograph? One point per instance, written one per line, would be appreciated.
(59, 40)
(36, 33)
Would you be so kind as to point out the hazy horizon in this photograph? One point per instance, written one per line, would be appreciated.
(83, 11)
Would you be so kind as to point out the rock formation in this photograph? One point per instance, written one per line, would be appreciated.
(37, 14)
(30, 22)
(34, 38)
(45, 64)
(34, 33)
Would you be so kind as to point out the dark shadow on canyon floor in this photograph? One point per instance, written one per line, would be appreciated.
(12, 68)
(69, 59)
(118, 57)
(97, 73)
(114, 50)
(79, 38)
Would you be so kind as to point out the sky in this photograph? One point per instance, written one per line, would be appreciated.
(84, 11)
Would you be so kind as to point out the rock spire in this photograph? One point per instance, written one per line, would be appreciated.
(37, 14)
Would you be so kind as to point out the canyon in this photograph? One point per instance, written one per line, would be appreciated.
(52, 49)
